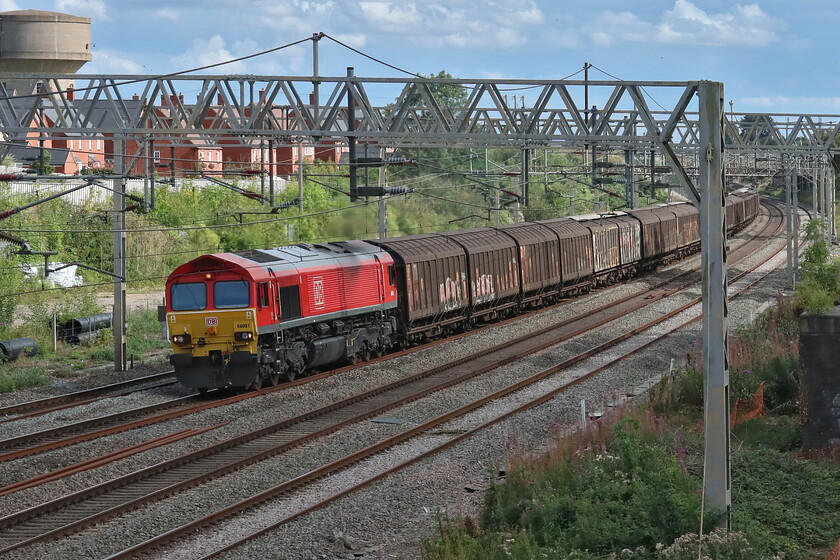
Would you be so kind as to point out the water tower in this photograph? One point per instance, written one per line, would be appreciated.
(33, 41)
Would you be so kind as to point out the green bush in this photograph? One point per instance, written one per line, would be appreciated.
(14, 379)
(784, 504)
(781, 433)
(633, 491)
(818, 288)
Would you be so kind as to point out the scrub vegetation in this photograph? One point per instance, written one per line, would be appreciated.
(629, 486)
(190, 220)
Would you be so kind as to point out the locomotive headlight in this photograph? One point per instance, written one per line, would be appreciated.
(181, 338)
(243, 336)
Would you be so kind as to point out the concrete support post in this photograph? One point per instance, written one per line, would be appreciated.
(147, 174)
(629, 180)
(152, 171)
(596, 194)
(300, 175)
(789, 226)
(823, 200)
(795, 225)
(820, 208)
(383, 200)
(351, 140)
(119, 319)
(262, 171)
(526, 176)
(828, 182)
(717, 483)
(497, 205)
(832, 208)
(271, 173)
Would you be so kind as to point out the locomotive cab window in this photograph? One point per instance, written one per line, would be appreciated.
(231, 294)
(191, 296)
(262, 292)
(392, 277)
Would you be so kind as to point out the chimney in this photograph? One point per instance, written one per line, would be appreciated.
(135, 97)
(71, 93)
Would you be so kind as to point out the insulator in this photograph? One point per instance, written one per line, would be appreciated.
(398, 190)
(287, 204)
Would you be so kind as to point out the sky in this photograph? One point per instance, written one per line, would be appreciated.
(774, 56)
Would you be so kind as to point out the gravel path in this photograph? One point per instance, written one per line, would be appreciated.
(390, 518)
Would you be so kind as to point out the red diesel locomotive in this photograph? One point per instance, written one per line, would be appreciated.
(253, 317)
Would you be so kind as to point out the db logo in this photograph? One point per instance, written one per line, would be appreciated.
(211, 321)
(318, 292)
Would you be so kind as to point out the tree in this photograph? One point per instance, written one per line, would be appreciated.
(446, 95)
(42, 164)
(758, 128)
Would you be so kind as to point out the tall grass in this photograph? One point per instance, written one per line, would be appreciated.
(629, 486)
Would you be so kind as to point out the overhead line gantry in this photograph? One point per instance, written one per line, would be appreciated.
(689, 128)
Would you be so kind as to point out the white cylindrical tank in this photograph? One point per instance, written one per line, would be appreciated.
(37, 42)
(43, 42)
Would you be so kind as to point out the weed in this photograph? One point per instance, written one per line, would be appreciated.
(22, 378)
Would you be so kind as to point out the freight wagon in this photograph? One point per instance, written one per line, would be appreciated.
(255, 317)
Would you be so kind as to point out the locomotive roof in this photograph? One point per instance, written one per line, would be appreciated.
(305, 252)
(289, 257)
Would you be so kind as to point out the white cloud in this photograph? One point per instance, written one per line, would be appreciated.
(315, 7)
(463, 24)
(107, 62)
(205, 52)
(94, 9)
(9, 6)
(168, 13)
(357, 40)
(792, 104)
(686, 24)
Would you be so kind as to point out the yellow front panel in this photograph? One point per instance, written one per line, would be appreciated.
(213, 330)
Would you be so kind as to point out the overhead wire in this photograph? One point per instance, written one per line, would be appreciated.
(275, 219)
(170, 74)
(652, 98)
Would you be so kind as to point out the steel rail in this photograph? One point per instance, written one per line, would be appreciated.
(93, 429)
(58, 402)
(369, 451)
(97, 462)
(546, 338)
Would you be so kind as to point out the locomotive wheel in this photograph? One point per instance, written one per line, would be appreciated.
(290, 374)
(352, 360)
(274, 379)
(366, 354)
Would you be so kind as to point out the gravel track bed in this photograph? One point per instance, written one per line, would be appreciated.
(392, 516)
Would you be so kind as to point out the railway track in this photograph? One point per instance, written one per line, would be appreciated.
(185, 534)
(71, 434)
(110, 499)
(38, 407)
